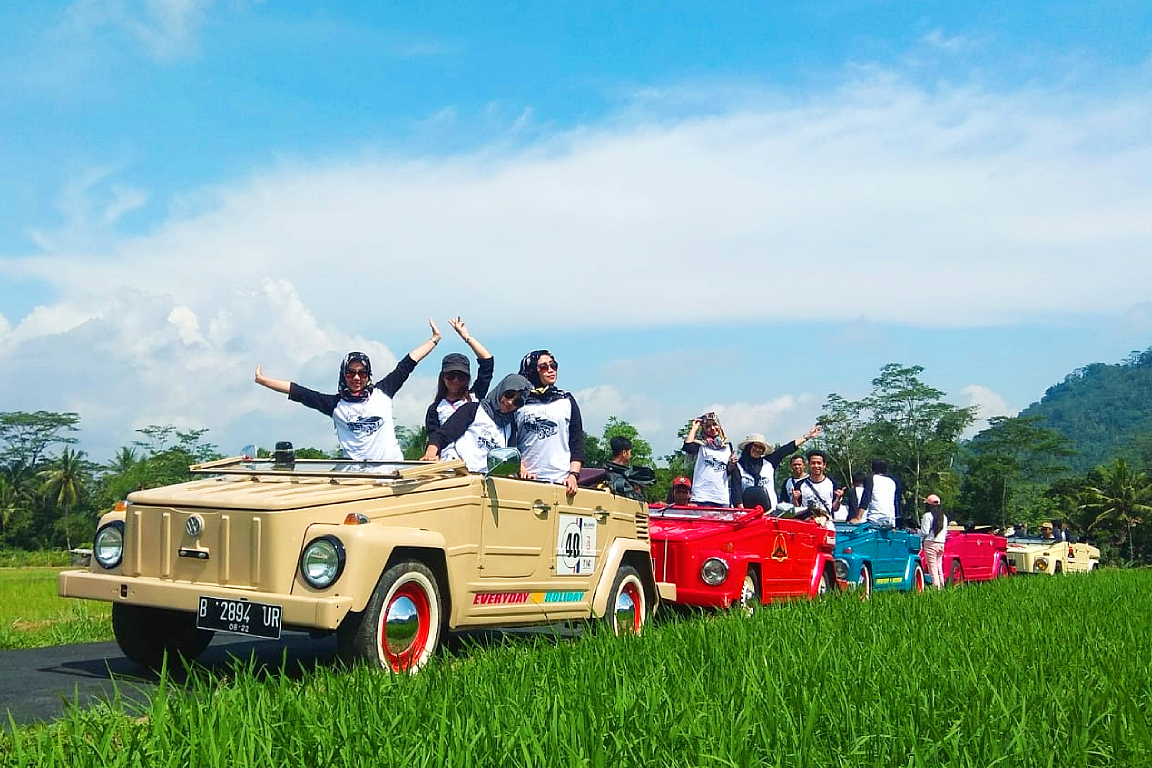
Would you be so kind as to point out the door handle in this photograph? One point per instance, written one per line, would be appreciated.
(601, 514)
(541, 509)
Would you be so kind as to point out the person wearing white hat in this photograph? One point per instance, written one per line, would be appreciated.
(934, 529)
(757, 468)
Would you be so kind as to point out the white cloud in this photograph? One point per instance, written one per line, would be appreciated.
(937, 39)
(167, 29)
(854, 204)
(885, 188)
(988, 404)
(779, 419)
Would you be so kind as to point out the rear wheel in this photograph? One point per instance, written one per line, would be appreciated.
(956, 577)
(399, 629)
(627, 609)
(146, 634)
(750, 599)
(826, 584)
(864, 586)
(1002, 569)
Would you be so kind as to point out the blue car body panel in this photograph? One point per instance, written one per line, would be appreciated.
(893, 555)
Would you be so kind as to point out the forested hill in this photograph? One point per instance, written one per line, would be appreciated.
(1104, 410)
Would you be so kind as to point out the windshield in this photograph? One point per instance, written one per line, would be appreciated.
(392, 470)
(689, 512)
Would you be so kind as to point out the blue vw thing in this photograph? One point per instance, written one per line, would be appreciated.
(869, 557)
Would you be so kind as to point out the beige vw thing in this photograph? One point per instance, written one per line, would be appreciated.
(1032, 554)
(388, 556)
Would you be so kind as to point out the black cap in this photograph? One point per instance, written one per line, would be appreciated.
(455, 362)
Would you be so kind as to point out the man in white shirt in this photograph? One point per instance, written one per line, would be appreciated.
(880, 502)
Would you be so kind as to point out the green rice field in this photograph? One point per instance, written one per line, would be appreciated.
(1023, 672)
(32, 615)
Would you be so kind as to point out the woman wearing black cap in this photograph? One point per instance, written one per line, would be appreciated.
(361, 410)
(455, 374)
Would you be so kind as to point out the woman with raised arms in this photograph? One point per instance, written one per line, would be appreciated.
(361, 409)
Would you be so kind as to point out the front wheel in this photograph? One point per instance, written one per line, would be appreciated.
(146, 634)
(627, 609)
(749, 599)
(918, 578)
(864, 586)
(399, 629)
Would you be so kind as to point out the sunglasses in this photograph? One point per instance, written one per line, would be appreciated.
(352, 373)
(511, 396)
(548, 366)
(455, 375)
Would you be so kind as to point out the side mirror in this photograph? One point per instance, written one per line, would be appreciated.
(784, 509)
(503, 461)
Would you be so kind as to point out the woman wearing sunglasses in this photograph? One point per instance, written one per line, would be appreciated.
(452, 390)
(549, 430)
(361, 410)
(478, 427)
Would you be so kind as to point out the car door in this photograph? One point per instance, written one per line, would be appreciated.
(584, 528)
(514, 564)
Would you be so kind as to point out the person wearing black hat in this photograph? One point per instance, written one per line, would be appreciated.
(361, 410)
(452, 390)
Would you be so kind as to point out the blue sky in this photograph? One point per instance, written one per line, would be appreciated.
(694, 206)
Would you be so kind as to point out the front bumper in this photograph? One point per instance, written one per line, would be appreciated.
(308, 612)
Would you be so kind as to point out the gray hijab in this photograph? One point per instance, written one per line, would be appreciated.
(491, 403)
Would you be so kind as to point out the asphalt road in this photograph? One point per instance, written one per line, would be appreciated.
(38, 684)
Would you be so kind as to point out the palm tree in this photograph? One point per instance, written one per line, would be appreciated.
(64, 481)
(1120, 501)
(123, 462)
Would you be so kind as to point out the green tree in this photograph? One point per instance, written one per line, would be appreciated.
(412, 441)
(1010, 467)
(904, 421)
(842, 438)
(1119, 503)
(29, 436)
(65, 481)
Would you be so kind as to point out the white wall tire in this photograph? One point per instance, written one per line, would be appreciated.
(401, 625)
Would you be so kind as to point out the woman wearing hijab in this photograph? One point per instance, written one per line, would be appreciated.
(362, 409)
(452, 387)
(934, 529)
(757, 468)
(478, 427)
(549, 429)
(714, 462)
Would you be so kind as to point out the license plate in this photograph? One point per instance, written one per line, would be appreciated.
(240, 617)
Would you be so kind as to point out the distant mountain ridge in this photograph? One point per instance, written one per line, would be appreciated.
(1105, 410)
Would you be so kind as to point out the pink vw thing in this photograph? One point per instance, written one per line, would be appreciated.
(716, 557)
(978, 555)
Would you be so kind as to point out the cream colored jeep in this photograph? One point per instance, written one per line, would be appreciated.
(389, 556)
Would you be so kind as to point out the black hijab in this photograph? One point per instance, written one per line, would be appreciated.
(539, 392)
(342, 385)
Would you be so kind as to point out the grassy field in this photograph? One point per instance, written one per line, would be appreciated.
(33, 615)
(1025, 672)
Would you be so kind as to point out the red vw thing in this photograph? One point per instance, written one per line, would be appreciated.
(716, 557)
(977, 555)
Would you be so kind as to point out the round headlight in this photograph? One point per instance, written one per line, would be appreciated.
(1041, 564)
(108, 546)
(842, 569)
(714, 571)
(322, 562)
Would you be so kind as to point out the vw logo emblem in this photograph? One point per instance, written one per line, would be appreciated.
(195, 526)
